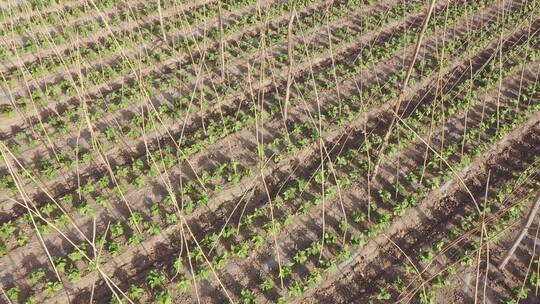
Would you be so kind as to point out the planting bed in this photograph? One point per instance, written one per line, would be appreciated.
(268, 151)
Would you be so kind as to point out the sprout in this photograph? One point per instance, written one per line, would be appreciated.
(383, 294)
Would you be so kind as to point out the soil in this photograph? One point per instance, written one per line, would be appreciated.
(368, 269)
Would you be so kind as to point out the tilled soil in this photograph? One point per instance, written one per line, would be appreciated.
(498, 72)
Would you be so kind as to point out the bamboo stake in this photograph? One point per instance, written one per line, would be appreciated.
(380, 154)
(289, 69)
(530, 218)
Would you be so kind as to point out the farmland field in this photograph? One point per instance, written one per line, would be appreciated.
(269, 151)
